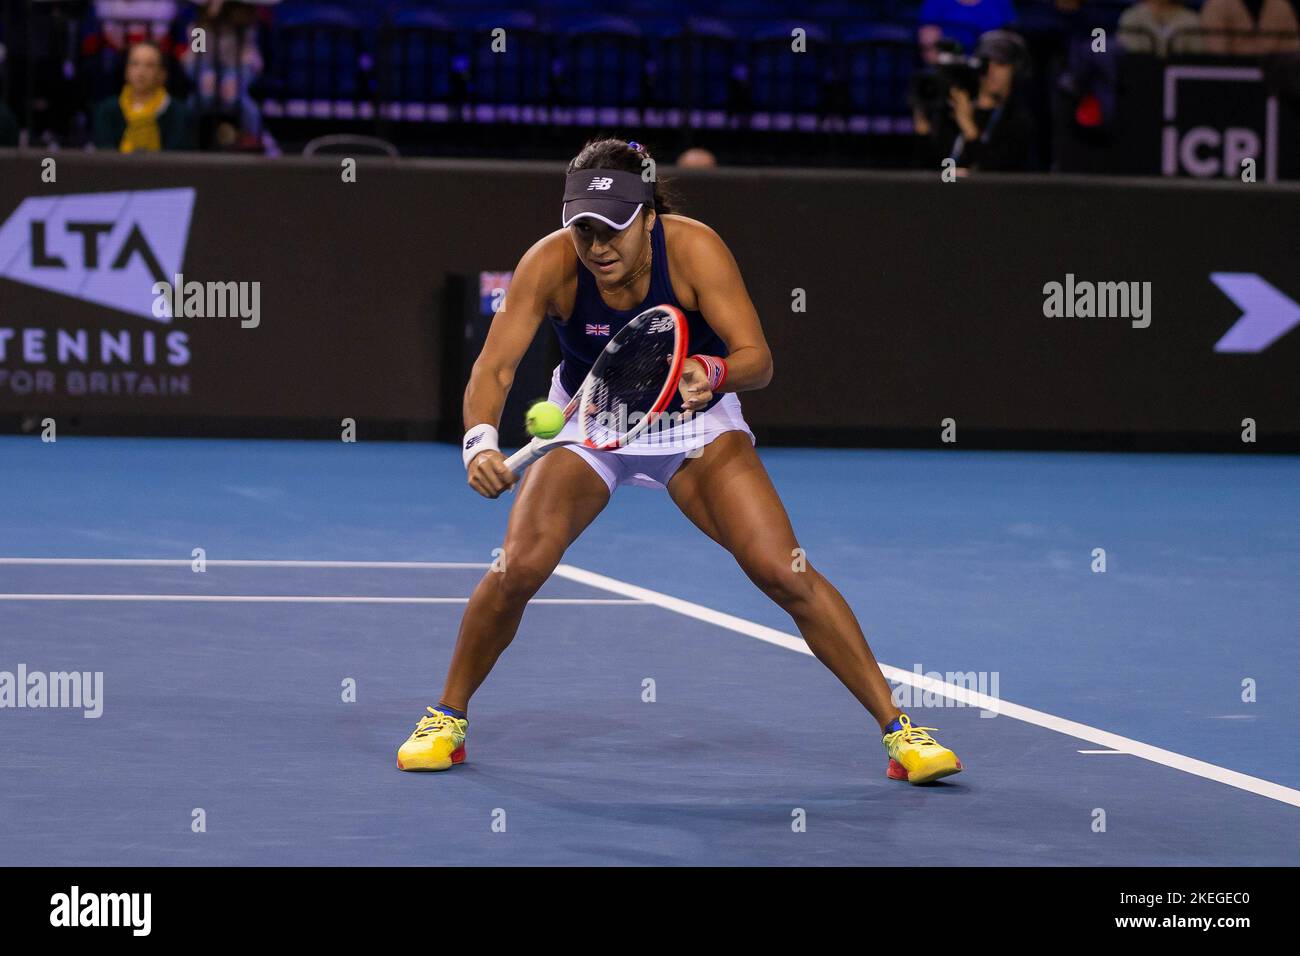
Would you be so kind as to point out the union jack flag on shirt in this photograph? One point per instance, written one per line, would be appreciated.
(594, 328)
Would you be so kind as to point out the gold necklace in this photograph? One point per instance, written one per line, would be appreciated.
(650, 253)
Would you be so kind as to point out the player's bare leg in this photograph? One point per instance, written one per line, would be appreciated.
(556, 500)
(727, 493)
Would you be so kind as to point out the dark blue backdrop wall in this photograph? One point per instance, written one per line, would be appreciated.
(891, 301)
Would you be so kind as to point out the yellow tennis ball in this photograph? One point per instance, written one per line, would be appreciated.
(544, 420)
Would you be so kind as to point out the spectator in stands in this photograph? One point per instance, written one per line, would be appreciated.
(1233, 27)
(118, 25)
(143, 118)
(1160, 27)
(122, 23)
(992, 131)
(960, 20)
(229, 65)
(696, 158)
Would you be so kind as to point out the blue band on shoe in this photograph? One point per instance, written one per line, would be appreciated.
(452, 712)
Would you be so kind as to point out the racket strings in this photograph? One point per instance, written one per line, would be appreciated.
(628, 386)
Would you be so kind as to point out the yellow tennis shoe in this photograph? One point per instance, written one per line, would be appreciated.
(437, 742)
(917, 757)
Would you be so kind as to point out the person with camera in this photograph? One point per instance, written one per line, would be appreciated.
(970, 109)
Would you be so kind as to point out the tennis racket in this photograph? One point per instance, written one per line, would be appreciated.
(627, 389)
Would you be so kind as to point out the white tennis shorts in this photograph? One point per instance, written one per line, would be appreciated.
(659, 451)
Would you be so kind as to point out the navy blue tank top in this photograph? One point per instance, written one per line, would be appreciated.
(584, 336)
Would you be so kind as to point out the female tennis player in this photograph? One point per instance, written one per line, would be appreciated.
(621, 250)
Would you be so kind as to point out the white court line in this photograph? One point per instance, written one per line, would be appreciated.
(216, 562)
(291, 599)
(1115, 742)
(1136, 748)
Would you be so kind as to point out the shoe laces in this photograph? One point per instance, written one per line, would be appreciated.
(435, 722)
(920, 736)
(917, 736)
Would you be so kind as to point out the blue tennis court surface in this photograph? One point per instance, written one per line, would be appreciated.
(223, 690)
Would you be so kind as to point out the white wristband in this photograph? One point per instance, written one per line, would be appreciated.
(477, 439)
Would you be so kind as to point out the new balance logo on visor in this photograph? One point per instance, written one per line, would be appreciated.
(601, 182)
(594, 329)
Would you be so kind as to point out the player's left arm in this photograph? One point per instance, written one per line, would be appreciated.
(711, 271)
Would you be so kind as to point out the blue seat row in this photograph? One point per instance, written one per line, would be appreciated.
(422, 56)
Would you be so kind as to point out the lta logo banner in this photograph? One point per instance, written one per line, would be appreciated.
(105, 248)
(109, 249)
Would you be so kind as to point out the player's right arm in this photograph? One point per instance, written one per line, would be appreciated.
(532, 291)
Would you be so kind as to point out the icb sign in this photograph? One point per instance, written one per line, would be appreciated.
(1215, 118)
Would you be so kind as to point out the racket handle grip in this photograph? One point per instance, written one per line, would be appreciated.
(524, 457)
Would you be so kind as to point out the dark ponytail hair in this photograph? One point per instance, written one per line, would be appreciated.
(627, 156)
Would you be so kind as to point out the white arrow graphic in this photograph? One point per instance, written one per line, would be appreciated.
(1266, 313)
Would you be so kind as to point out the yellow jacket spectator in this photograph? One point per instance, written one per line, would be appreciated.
(144, 117)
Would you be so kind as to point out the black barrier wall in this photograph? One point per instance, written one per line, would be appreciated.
(891, 301)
